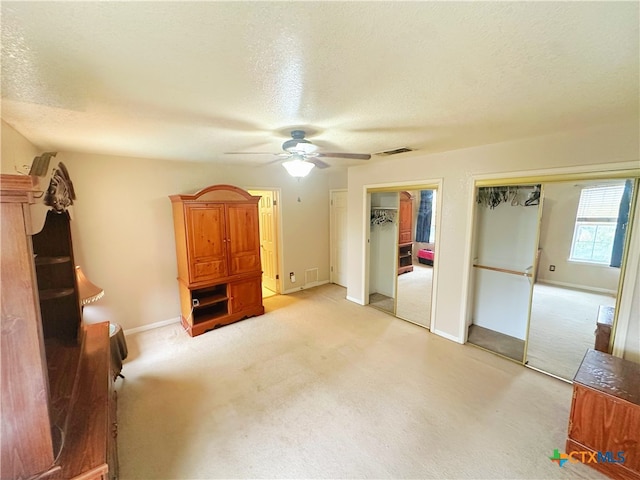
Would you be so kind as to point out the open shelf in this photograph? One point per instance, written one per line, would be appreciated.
(209, 303)
(405, 258)
(210, 312)
(53, 293)
(51, 260)
(213, 299)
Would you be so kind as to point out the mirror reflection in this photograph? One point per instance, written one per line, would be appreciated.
(402, 252)
(582, 236)
(414, 287)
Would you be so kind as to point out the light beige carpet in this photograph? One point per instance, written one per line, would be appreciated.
(414, 295)
(319, 387)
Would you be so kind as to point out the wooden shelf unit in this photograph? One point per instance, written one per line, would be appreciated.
(59, 406)
(405, 258)
(405, 233)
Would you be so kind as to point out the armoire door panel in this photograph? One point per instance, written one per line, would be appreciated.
(245, 294)
(215, 269)
(207, 241)
(244, 239)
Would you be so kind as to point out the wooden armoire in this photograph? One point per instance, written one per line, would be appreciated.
(218, 252)
(58, 401)
(405, 236)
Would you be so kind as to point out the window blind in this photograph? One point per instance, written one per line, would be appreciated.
(600, 204)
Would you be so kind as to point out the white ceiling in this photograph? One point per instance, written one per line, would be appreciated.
(194, 80)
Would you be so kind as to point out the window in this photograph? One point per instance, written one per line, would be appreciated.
(432, 231)
(596, 222)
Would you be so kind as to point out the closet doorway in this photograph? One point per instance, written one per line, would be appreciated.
(401, 253)
(547, 267)
(504, 258)
(583, 232)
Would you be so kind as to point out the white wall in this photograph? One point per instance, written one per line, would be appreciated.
(560, 206)
(16, 151)
(592, 148)
(123, 226)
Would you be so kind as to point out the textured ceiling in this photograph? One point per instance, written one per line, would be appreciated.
(194, 80)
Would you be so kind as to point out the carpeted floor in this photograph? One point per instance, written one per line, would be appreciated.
(319, 387)
(497, 342)
(414, 295)
(561, 329)
(562, 326)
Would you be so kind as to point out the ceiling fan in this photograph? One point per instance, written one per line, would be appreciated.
(301, 155)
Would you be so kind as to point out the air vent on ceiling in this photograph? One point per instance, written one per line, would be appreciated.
(395, 151)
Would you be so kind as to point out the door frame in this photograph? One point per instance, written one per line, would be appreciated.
(624, 296)
(427, 184)
(277, 230)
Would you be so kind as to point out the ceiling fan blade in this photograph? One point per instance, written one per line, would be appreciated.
(352, 156)
(250, 153)
(317, 162)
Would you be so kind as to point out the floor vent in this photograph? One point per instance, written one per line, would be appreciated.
(394, 152)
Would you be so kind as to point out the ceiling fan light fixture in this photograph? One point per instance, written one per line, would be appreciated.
(297, 167)
(299, 146)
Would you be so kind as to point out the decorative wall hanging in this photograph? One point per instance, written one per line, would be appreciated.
(60, 194)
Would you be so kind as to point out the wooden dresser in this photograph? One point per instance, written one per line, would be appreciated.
(58, 402)
(218, 253)
(605, 415)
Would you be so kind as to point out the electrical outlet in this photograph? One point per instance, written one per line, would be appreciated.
(292, 277)
(552, 268)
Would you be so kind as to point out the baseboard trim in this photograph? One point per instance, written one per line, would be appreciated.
(355, 300)
(305, 287)
(151, 326)
(448, 336)
(578, 287)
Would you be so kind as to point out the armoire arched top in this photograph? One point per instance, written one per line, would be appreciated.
(217, 193)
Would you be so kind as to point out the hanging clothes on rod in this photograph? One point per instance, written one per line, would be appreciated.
(382, 215)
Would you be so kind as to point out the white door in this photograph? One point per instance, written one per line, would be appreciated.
(268, 237)
(338, 227)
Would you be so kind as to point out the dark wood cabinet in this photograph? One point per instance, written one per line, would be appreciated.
(605, 415)
(56, 278)
(405, 233)
(58, 419)
(218, 254)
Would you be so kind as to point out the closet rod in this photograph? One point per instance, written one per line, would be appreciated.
(503, 270)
